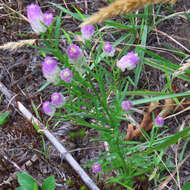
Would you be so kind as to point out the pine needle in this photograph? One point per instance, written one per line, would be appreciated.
(120, 7)
(16, 45)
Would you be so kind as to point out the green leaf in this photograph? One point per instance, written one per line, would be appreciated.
(3, 117)
(35, 186)
(26, 182)
(120, 26)
(75, 15)
(20, 188)
(146, 100)
(170, 140)
(186, 186)
(36, 111)
(49, 183)
(57, 29)
(43, 86)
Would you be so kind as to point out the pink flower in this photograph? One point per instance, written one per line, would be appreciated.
(109, 50)
(50, 70)
(127, 105)
(128, 61)
(57, 99)
(48, 109)
(74, 52)
(67, 75)
(159, 121)
(36, 18)
(87, 31)
(48, 19)
(96, 167)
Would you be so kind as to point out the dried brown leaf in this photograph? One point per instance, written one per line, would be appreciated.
(147, 122)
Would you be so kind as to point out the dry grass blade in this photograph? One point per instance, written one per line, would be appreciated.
(17, 12)
(120, 7)
(165, 182)
(16, 45)
(182, 69)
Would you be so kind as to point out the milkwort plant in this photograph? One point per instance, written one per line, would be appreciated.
(96, 79)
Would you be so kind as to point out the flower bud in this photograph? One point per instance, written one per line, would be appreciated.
(57, 99)
(128, 61)
(159, 121)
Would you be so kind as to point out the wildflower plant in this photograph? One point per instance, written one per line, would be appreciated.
(97, 87)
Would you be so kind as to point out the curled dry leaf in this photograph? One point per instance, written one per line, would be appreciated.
(147, 122)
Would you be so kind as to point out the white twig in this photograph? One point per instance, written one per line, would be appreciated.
(64, 153)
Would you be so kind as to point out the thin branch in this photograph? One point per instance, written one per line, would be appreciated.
(64, 153)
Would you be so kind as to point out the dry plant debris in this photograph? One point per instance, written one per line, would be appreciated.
(23, 168)
(182, 69)
(169, 178)
(147, 122)
(16, 45)
(43, 129)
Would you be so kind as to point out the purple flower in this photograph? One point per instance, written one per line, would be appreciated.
(96, 167)
(127, 105)
(108, 49)
(57, 99)
(51, 70)
(35, 17)
(48, 19)
(128, 61)
(159, 121)
(87, 31)
(74, 52)
(48, 109)
(67, 75)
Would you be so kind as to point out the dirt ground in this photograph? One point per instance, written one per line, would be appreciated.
(20, 72)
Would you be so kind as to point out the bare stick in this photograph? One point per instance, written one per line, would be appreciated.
(64, 153)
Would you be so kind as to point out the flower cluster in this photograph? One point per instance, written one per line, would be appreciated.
(128, 61)
(52, 72)
(37, 18)
(57, 101)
